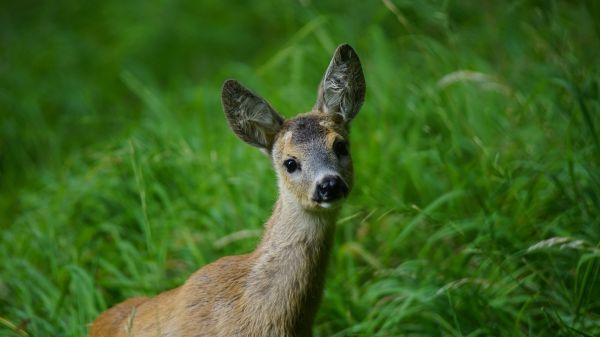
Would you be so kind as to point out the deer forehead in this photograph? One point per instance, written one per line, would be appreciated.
(299, 134)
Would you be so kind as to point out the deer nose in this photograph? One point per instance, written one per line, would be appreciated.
(330, 188)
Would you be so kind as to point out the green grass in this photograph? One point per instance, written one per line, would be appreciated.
(476, 209)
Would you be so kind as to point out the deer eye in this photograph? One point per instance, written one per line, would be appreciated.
(290, 165)
(340, 148)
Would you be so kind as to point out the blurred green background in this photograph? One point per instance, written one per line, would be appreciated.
(476, 209)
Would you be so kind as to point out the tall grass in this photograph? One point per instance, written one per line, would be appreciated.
(476, 209)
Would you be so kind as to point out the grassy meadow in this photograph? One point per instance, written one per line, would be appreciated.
(476, 207)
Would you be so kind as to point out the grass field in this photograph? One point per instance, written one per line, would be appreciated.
(476, 208)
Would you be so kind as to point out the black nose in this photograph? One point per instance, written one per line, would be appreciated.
(330, 188)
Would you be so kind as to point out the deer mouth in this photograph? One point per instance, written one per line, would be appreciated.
(330, 203)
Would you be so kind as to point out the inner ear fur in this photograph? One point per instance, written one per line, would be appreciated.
(250, 117)
(342, 89)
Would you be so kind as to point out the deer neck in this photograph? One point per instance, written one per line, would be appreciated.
(287, 276)
(292, 226)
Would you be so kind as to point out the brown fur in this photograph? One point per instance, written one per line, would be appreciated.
(275, 290)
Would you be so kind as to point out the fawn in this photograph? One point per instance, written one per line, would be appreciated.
(275, 290)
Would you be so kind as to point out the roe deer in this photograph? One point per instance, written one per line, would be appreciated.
(275, 290)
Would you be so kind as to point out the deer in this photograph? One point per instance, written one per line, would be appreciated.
(275, 290)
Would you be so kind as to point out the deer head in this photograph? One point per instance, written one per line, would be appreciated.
(310, 152)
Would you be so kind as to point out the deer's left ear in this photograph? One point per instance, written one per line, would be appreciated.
(342, 90)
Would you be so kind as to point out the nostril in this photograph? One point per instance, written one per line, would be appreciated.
(330, 188)
(331, 183)
(327, 184)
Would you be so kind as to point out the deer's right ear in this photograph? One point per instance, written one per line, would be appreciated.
(250, 116)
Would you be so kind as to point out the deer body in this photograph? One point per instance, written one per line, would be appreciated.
(275, 290)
